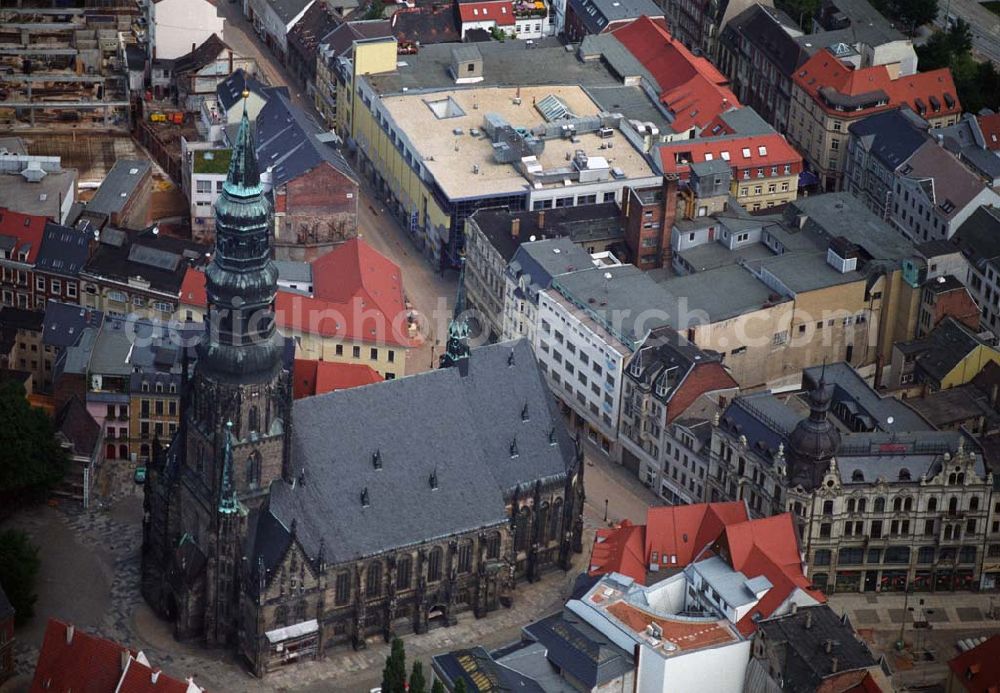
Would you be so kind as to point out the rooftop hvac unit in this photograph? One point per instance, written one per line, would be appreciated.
(607, 132)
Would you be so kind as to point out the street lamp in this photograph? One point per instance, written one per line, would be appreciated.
(437, 343)
(900, 644)
(605, 509)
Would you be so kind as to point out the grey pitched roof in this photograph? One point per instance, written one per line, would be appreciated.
(159, 259)
(477, 665)
(542, 260)
(841, 214)
(230, 90)
(64, 323)
(574, 646)
(78, 427)
(979, 237)
(63, 250)
(118, 185)
(287, 142)
(773, 33)
(464, 441)
(851, 391)
(938, 352)
(892, 137)
(287, 10)
(596, 15)
(207, 52)
(952, 182)
(800, 640)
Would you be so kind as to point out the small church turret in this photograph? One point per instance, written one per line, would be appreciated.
(814, 441)
(457, 347)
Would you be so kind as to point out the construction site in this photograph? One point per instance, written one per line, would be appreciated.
(65, 67)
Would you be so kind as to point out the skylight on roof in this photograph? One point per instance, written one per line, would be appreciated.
(725, 156)
(708, 156)
(762, 150)
(746, 152)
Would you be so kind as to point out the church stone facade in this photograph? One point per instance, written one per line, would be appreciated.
(283, 529)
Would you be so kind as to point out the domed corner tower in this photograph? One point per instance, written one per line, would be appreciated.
(814, 441)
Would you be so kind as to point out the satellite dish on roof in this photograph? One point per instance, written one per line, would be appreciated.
(607, 275)
(890, 420)
(531, 238)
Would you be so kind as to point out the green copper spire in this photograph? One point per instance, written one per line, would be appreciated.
(243, 178)
(242, 342)
(457, 348)
(227, 492)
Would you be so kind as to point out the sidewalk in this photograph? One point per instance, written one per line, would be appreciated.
(884, 612)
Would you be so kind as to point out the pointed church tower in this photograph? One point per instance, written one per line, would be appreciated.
(814, 441)
(457, 347)
(237, 423)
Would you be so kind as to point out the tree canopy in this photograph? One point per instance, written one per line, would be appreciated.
(18, 571)
(33, 461)
(394, 673)
(418, 684)
(977, 84)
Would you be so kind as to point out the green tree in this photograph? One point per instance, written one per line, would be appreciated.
(418, 684)
(936, 53)
(914, 13)
(959, 37)
(18, 571)
(459, 686)
(394, 673)
(32, 461)
(375, 10)
(438, 687)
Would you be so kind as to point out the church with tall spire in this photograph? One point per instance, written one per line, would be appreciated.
(374, 514)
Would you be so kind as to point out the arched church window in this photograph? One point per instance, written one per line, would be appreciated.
(493, 545)
(555, 518)
(522, 529)
(543, 522)
(253, 420)
(253, 470)
(373, 580)
(434, 564)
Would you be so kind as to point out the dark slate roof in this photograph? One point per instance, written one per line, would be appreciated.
(583, 223)
(764, 27)
(123, 177)
(577, 648)
(64, 250)
(21, 319)
(979, 237)
(938, 352)
(481, 673)
(853, 392)
(65, 322)
(465, 441)
(6, 608)
(230, 90)
(801, 648)
(892, 136)
(596, 15)
(76, 424)
(157, 258)
(288, 145)
(318, 21)
(287, 10)
(201, 56)
(135, 58)
(542, 260)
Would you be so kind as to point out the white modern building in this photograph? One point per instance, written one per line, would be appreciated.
(176, 27)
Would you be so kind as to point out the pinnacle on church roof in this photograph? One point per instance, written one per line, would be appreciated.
(243, 177)
(227, 492)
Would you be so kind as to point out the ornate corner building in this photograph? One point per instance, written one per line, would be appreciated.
(282, 530)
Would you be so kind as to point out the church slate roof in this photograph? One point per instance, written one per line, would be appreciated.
(465, 440)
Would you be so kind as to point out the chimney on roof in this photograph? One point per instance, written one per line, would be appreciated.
(515, 228)
(155, 675)
(809, 619)
(795, 608)
(70, 629)
(541, 218)
(833, 665)
(193, 46)
(828, 646)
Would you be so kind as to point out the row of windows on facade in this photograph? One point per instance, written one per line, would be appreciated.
(901, 528)
(899, 555)
(561, 202)
(139, 302)
(158, 408)
(905, 503)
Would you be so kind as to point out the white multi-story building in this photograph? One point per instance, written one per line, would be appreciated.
(589, 323)
(176, 27)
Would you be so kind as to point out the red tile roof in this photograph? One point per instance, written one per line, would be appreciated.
(768, 547)
(990, 125)
(319, 377)
(358, 296)
(680, 534)
(619, 550)
(919, 91)
(27, 229)
(702, 379)
(747, 152)
(978, 670)
(682, 531)
(500, 11)
(691, 87)
(79, 662)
